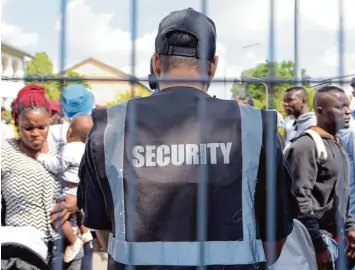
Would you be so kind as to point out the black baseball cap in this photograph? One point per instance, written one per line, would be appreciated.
(192, 22)
(352, 82)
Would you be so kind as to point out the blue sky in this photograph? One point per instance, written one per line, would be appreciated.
(100, 29)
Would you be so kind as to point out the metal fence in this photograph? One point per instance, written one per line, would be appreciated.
(270, 81)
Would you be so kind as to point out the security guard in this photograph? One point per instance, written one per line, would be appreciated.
(141, 172)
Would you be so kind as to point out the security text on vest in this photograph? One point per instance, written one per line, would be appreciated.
(179, 154)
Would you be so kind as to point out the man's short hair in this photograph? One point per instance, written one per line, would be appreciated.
(330, 88)
(3, 108)
(184, 38)
(325, 89)
(180, 39)
(300, 89)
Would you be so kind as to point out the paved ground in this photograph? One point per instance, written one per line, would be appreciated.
(100, 261)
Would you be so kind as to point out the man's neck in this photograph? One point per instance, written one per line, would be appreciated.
(304, 111)
(182, 75)
(331, 131)
(169, 85)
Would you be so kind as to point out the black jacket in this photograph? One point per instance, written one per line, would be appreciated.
(321, 187)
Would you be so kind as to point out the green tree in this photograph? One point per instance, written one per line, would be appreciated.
(41, 65)
(120, 97)
(283, 70)
(80, 79)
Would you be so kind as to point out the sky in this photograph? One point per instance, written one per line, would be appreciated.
(101, 29)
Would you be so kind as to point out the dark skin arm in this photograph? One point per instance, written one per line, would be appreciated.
(63, 210)
(276, 246)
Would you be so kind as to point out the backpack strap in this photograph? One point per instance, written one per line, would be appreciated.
(322, 154)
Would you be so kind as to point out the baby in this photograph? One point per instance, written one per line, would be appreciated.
(66, 165)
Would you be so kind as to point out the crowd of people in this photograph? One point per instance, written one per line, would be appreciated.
(39, 168)
(132, 172)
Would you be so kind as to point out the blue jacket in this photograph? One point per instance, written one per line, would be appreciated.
(347, 139)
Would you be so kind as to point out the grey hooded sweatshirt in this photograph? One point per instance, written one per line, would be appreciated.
(303, 122)
(300, 125)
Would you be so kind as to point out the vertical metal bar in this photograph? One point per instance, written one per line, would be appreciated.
(271, 52)
(202, 181)
(131, 206)
(341, 39)
(271, 143)
(297, 74)
(134, 18)
(62, 57)
(342, 261)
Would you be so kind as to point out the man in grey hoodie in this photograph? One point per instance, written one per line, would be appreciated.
(296, 104)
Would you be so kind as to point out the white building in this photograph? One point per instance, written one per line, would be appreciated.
(105, 90)
(13, 64)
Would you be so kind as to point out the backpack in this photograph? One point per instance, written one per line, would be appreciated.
(321, 151)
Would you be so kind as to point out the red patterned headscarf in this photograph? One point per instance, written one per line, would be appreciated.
(31, 96)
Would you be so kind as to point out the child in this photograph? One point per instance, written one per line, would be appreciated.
(67, 166)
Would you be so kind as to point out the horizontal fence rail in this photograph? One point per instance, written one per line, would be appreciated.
(270, 82)
(256, 80)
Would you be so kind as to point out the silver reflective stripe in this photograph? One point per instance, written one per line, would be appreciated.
(248, 251)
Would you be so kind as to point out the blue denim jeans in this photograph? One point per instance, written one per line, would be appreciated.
(339, 256)
(86, 262)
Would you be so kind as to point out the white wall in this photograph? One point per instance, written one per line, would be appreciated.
(105, 92)
(91, 70)
(9, 89)
(8, 71)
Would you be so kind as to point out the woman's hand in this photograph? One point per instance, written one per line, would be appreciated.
(43, 150)
(63, 210)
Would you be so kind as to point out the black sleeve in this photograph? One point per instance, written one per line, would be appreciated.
(286, 208)
(349, 222)
(94, 196)
(301, 157)
(3, 211)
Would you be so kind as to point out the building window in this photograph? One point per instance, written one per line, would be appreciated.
(15, 65)
(4, 62)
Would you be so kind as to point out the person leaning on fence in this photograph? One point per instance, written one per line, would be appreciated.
(321, 180)
(158, 155)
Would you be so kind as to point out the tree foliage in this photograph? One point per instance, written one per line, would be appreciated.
(41, 65)
(283, 70)
(140, 91)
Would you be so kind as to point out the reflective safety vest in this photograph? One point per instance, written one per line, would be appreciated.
(154, 175)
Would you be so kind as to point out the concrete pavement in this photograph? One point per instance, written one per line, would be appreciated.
(100, 261)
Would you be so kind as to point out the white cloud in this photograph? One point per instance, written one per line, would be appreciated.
(17, 36)
(239, 23)
(97, 35)
(330, 60)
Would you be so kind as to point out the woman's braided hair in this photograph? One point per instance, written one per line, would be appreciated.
(31, 96)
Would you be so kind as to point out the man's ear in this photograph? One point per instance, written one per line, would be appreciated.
(213, 67)
(319, 110)
(70, 131)
(156, 65)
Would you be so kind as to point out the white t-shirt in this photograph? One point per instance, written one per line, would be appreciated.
(66, 163)
(287, 125)
(7, 131)
(58, 133)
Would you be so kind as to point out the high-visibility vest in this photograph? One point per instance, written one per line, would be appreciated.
(165, 185)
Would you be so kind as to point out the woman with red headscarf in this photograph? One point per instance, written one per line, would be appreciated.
(28, 190)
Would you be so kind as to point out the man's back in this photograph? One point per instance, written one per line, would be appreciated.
(173, 150)
(164, 154)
